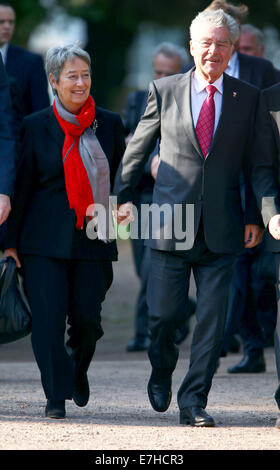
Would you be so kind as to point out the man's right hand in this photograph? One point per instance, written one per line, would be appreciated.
(274, 226)
(5, 207)
(12, 252)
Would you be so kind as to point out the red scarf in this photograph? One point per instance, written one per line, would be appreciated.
(78, 187)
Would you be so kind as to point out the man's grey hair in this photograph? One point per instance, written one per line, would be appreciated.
(57, 56)
(172, 50)
(249, 28)
(217, 18)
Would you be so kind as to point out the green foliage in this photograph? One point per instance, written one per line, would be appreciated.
(125, 15)
(262, 13)
(129, 13)
(29, 13)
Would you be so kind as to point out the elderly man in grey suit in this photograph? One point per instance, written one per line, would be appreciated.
(204, 120)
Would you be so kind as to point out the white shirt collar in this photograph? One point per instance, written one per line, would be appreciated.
(232, 61)
(200, 83)
(4, 50)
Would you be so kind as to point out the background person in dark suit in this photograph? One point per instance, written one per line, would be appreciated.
(251, 41)
(14, 121)
(65, 171)
(168, 59)
(26, 67)
(7, 147)
(252, 300)
(266, 183)
(202, 153)
(254, 308)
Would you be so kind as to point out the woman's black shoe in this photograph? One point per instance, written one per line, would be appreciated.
(81, 389)
(55, 409)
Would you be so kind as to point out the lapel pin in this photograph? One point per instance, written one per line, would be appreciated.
(234, 94)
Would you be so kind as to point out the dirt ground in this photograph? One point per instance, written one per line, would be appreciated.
(118, 416)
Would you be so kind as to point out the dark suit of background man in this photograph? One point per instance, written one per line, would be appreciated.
(252, 43)
(168, 59)
(254, 307)
(266, 183)
(209, 181)
(26, 67)
(7, 147)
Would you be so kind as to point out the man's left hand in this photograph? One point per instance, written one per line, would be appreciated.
(123, 213)
(253, 235)
(5, 207)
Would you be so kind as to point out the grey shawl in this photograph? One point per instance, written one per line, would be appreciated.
(98, 171)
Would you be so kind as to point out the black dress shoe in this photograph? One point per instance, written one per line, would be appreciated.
(248, 365)
(196, 416)
(159, 390)
(81, 388)
(234, 346)
(55, 409)
(138, 344)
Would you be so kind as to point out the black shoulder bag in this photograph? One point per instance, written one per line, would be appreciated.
(15, 313)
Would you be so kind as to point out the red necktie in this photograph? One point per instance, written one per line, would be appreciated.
(206, 120)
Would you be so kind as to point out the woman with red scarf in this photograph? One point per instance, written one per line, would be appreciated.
(57, 231)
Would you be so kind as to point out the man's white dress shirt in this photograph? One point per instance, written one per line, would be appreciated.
(199, 93)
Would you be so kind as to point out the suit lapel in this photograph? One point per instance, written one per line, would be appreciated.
(54, 128)
(182, 95)
(230, 96)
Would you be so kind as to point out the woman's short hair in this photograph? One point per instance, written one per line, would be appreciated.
(216, 18)
(57, 56)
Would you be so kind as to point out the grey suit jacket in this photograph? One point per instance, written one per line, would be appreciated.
(184, 177)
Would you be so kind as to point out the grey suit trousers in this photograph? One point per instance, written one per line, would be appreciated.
(167, 296)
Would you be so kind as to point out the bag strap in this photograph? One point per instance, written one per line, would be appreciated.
(3, 266)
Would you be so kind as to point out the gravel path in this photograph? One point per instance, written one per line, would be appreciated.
(118, 415)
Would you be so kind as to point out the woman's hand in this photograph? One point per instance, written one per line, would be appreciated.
(12, 252)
